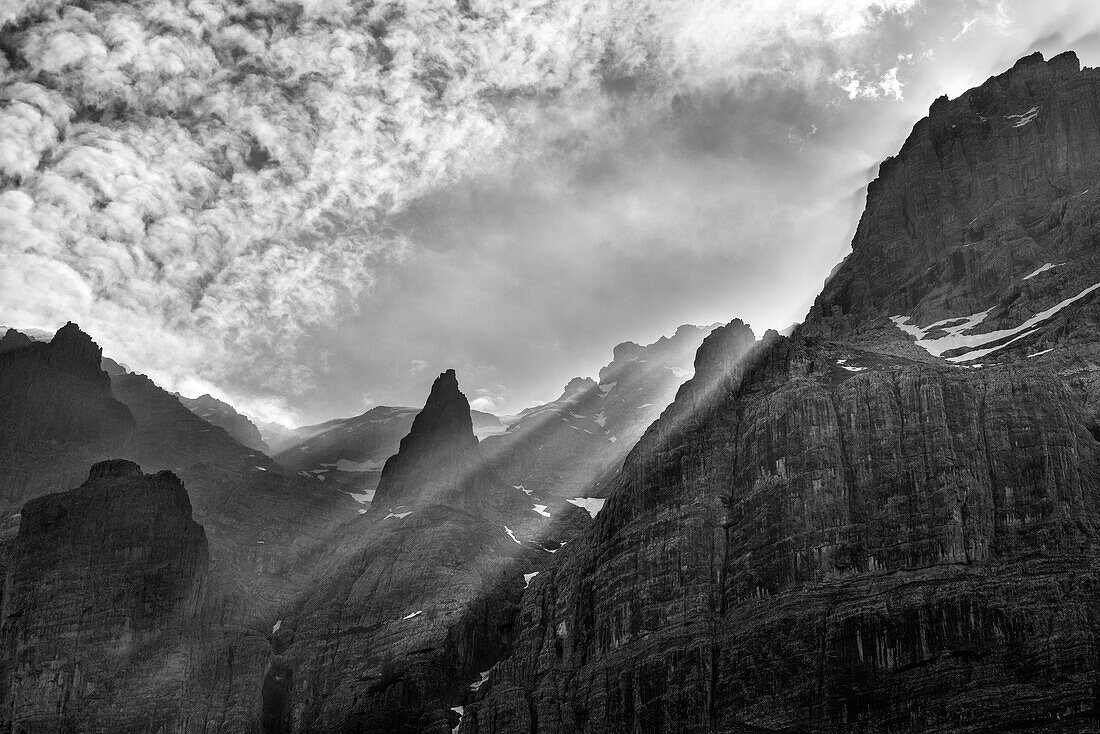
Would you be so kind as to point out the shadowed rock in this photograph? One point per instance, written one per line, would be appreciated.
(102, 586)
(844, 531)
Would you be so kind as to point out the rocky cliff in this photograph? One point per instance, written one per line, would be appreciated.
(267, 529)
(418, 595)
(223, 415)
(103, 583)
(888, 522)
(57, 416)
(564, 453)
(348, 451)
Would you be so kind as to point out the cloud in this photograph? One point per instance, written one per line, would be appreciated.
(201, 184)
(861, 85)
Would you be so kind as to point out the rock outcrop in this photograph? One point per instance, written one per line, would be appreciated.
(419, 594)
(103, 585)
(223, 415)
(570, 448)
(850, 530)
(57, 416)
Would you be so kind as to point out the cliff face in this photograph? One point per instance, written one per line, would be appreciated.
(891, 520)
(417, 596)
(102, 584)
(570, 449)
(225, 416)
(57, 416)
(348, 451)
(267, 532)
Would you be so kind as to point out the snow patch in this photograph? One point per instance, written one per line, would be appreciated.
(398, 515)
(484, 676)
(1024, 117)
(260, 468)
(1041, 269)
(364, 498)
(458, 710)
(605, 389)
(541, 510)
(956, 338)
(417, 613)
(601, 419)
(644, 405)
(681, 374)
(592, 504)
(358, 466)
(527, 578)
(277, 626)
(512, 535)
(1040, 354)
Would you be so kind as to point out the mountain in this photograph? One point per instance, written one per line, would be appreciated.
(352, 451)
(890, 520)
(566, 451)
(102, 584)
(418, 594)
(266, 530)
(225, 416)
(262, 521)
(57, 416)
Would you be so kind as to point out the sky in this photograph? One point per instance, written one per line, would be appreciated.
(311, 208)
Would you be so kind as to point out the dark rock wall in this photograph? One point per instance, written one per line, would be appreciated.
(102, 585)
(841, 532)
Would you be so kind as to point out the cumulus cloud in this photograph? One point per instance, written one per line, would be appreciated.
(200, 183)
(861, 85)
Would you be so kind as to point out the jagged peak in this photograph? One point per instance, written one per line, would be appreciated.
(71, 332)
(722, 349)
(13, 339)
(437, 452)
(576, 387)
(113, 469)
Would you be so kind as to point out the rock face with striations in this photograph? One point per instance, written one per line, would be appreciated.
(267, 530)
(225, 416)
(565, 453)
(418, 595)
(57, 415)
(103, 583)
(889, 522)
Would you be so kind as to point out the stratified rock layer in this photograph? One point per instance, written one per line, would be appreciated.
(57, 415)
(846, 531)
(102, 584)
(225, 416)
(417, 597)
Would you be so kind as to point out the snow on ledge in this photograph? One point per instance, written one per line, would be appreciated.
(417, 613)
(592, 504)
(956, 338)
(1041, 269)
(1024, 117)
(527, 578)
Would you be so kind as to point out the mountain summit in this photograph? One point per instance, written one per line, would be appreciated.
(889, 521)
(439, 457)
